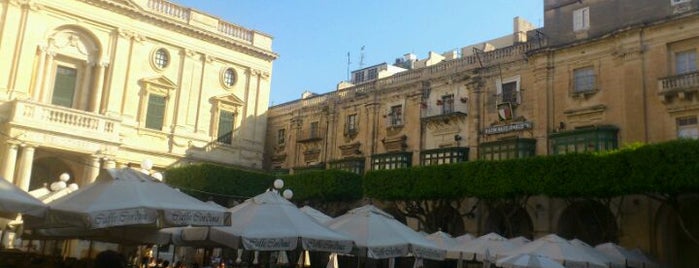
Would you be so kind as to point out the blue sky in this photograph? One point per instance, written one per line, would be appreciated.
(313, 37)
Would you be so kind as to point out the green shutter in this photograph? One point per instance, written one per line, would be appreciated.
(225, 124)
(156, 112)
(64, 86)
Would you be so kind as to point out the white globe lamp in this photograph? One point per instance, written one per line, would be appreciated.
(288, 194)
(278, 184)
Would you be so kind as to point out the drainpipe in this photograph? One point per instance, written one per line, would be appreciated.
(643, 83)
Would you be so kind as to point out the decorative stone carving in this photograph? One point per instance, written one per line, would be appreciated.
(395, 144)
(350, 149)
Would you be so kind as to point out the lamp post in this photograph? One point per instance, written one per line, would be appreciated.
(147, 168)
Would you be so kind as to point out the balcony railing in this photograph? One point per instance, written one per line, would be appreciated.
(50, 118)
(169, 9)
(678, 83)
(309, 135)
(456, 107)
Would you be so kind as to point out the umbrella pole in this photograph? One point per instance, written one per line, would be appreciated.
(89, 250)
(174, 252)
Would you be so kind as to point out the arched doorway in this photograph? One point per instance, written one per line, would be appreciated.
(509, 221)
(674, 245)
(46, 170)
(588, 221)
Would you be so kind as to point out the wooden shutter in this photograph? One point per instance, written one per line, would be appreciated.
(225, 125)
(64, 86)
(156, 112)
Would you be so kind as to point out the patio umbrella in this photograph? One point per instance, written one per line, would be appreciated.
(527, 260)
(378, 235)
(315, 214)
(623, 257)
(268, 222)
(560, 250)
(465, 237)
(14, 200)
(590, 250)
(446, 242)
(492, 243)
(129, 198)
(520, 240)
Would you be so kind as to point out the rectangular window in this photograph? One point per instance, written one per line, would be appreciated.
(351, 124)
(281, 136)
(64, 86)
(156, 112)
(685, 62)
(585, 140)
(314, 130)
(687, 127)
(359, 77)
(448, 104)
(584, 80)
(396, 115)
(391, 161)
(444, 156)
(355, 165)
(581, 19)
(225, 126)
(509, 93)
(507, 149)
(373, 74)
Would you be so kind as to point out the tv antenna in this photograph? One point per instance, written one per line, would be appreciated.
(361, 57)
(348, 66)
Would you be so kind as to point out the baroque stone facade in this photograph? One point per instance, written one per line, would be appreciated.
(108, 83)
(597, 76)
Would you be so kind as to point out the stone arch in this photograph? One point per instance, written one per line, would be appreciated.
(589, 221)
(46, 170)
(75, 42)
(508, 220)
(673, 245)
(69, 69)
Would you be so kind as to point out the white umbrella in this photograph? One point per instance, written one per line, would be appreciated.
(446, 242)
(623, 257)
(520, 240)
(379, 236)
(14, 200)
(590, 250)
(492, 243)
(560, 250)
(527, 260)
(315, 214)
(268, 222)
(465, 237)
(127, 197)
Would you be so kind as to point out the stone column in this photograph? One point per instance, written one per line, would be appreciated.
(91, 171)
(109, 163)
(85, 86)
(26, 160)
(96, 96)
(39, 78)
(47, 72)
(8, 164)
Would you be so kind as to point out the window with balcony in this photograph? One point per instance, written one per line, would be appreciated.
(156, 111)
(391, 161)
(685, 61)
(395, 117)
(351, 125)
(448, 104)
(64, 86)
(584, 80)
(687, 127)
(591, 139)
(226, 120)
(281, 136)
(581, 19)
(444, 156)
(507, 149)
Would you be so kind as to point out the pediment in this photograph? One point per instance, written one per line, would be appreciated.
(229, 99)
(159, 81)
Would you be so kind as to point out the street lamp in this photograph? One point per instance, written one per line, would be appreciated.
(146, 168)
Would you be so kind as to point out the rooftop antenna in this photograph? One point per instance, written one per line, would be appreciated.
(361, 57)
(348, 66)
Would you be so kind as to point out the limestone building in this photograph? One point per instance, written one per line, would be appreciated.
(598, 75)
(108, 83)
